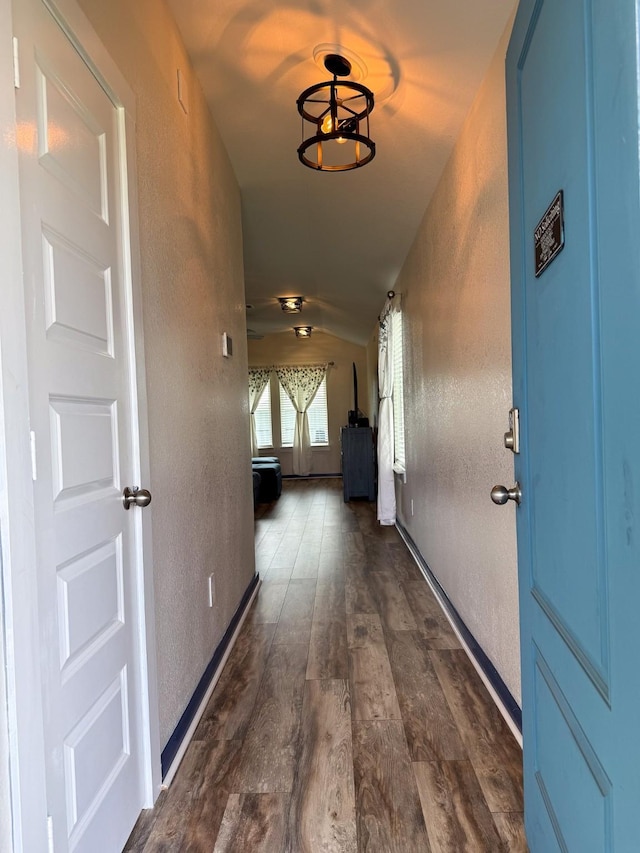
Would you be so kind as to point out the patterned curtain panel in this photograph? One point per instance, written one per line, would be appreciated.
(386, 484)
(258, 378)
(301, 385)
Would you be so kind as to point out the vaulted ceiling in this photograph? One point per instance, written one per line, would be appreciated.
(337, 239)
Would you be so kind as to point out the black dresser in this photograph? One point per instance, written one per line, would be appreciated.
(358, 463)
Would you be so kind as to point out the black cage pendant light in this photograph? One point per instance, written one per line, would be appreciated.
(336, 115)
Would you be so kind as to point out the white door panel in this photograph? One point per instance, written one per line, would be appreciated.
(80, 398)
(77, 293)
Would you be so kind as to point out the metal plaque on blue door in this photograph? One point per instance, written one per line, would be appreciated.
(549, 234)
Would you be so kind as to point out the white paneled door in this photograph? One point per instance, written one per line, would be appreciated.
(83, 417)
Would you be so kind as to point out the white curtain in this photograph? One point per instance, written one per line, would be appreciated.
(258, 378)
(386, 450)
(301, 385)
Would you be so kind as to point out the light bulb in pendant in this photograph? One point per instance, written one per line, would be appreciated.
(327, 124)
(327, 127)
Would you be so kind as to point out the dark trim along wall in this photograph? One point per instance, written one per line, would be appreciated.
(173, 744)
(491, 673)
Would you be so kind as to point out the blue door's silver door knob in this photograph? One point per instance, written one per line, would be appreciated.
(133, 496)
(501, 494)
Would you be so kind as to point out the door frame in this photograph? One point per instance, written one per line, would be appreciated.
(22, 740)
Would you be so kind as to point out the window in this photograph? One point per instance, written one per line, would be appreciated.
(263, 418)
(317, 414)
(398, 392)
(318, 424)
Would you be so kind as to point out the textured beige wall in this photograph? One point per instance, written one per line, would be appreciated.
(455, 286)
(285, 348)
(193, 290)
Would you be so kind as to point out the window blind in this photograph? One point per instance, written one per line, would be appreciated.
(264, 431)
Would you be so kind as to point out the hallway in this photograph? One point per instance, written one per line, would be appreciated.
(347, 717)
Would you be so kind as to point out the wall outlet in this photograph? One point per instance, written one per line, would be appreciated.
(212, 590)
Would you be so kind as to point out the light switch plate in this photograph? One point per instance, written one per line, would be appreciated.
(227, 345)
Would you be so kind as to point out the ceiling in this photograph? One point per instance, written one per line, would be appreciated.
(337, 239)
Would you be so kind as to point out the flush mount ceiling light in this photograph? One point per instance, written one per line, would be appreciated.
(336, 115)
(290, 304)
(303, 331)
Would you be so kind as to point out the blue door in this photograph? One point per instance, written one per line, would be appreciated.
(575, 232)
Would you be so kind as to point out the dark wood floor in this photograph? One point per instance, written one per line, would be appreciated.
(347, 718)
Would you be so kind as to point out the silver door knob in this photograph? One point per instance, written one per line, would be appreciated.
(133, 496)
(501, 494)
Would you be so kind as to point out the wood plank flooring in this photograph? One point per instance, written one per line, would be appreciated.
(347, 719)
